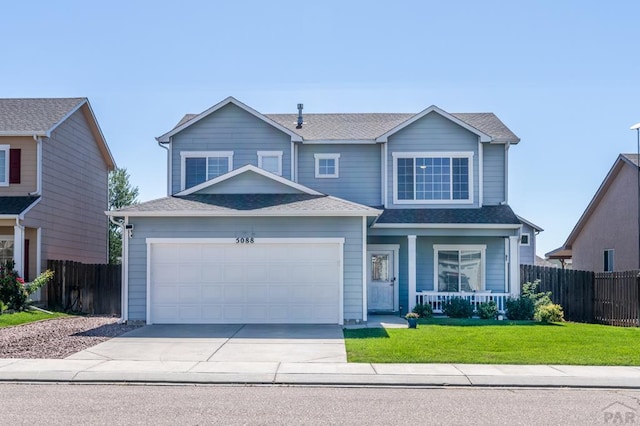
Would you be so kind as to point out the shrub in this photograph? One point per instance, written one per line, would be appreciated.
(457, 307)
(487, 310)
(538, 298)
(424, 310)
(551, 312)
(520, 308)
(14, 293)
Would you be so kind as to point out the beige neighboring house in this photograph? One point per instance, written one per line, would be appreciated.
(54, 165)
(605, 238)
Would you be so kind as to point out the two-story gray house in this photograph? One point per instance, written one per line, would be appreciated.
(54, 166)
(322, 218)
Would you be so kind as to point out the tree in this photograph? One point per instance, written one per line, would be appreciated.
(121, 194)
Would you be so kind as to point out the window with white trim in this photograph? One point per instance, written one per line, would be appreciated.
(459, 267)
(608, 260)
(433, 177)
(525, 239)
(6, 248)
(270, 161)
(198, 167)
(4, 165)
(327, 165)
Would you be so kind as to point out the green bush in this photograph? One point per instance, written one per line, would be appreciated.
(550, 312)
(488, 310)
(520, 308)
(424, 310)
(14, 292)
(457, 307)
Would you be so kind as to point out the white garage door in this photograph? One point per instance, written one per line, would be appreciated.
(222, 281)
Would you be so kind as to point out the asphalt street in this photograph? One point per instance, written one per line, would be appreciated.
(63, 404)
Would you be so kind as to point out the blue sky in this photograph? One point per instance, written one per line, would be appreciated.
(563, 75)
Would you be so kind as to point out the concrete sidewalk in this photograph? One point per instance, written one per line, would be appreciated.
(326, 373)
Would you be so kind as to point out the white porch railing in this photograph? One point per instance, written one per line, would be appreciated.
(436, 299)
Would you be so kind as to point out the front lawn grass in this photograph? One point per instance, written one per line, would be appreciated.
(471, 341)
(7, 320)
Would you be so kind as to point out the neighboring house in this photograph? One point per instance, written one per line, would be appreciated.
(605, 238)
(54, 163)
(528, 235)
(322, 218)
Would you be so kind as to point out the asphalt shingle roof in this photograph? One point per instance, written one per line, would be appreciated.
(15, 205)
(370, 126)
(34, 114)
(499, 215)
(257, 203)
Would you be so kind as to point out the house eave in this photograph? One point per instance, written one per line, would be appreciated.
(448, 225)
(242, 213)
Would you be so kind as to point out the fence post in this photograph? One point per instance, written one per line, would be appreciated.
(638, 295)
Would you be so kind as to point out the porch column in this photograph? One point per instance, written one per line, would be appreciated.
(18, 248)
(514, 266)
(412, 271)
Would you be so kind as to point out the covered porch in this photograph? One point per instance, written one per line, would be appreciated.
(435, 263)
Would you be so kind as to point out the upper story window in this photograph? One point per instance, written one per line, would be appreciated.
(433, 177)
(524, 239)
(4, 165)
(198, 167)
(327, 165)
(270, 161)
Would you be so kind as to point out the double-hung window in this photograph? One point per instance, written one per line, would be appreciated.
(198, 167)
(459, 267)
(270, 161)
(435, 177)
(6, 248)
(4, 165)
(327, 165)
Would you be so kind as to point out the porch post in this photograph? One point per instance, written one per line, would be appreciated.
(412, 271)
(514, 265)
(18, 248)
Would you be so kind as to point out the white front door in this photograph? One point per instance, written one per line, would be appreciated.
(381, 280)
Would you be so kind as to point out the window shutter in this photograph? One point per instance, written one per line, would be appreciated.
(14, 165)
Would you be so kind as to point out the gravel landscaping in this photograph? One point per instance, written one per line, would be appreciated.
(58, 338)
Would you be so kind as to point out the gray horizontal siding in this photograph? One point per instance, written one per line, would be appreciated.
(230, 129)
(528, 253)
(249, 183)
(285, 227)
(74, 195)
(359, 172)
(432, 133)
(494, 174)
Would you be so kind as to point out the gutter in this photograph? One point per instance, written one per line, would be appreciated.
(162, 145)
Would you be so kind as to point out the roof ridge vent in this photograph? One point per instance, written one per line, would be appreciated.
(300, 122)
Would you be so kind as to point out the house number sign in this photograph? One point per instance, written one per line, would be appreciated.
(245, 240)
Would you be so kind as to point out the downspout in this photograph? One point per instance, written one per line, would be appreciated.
(124, 296)
(38, 190)
(161, 145)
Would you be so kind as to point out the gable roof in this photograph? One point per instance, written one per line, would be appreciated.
(245, 169)
(246, 205)
(230, 100)
(622, 161)
(41, 116)
(372, 126)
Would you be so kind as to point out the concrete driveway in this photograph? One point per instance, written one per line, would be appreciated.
(224, 343)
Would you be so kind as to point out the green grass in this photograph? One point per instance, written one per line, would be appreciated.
(7, 320)
(471, 341)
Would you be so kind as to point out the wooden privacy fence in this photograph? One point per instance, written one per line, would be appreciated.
(88, 288)
(605, 297)
(615, 299)
(571, 289)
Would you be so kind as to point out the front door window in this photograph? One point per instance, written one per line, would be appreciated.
(380, 267)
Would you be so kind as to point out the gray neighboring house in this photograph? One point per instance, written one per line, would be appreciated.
(322, 218)
(605, 238)
(528, 235)
(54, 165)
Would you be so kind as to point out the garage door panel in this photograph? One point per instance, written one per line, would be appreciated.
(240, 283)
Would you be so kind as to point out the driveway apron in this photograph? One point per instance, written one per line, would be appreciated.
(224, 343)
